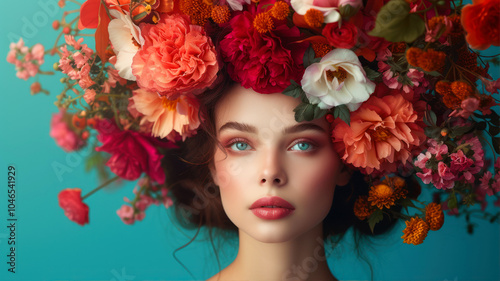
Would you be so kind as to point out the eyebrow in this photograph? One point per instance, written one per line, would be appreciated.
(288, 130)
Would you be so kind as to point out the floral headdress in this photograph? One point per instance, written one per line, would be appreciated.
(401, 82)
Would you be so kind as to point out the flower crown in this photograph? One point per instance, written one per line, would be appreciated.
(399, 81)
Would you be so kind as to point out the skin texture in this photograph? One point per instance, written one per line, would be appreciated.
(263, 160)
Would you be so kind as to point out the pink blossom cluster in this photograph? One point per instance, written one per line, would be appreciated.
(64, 133)
(145, 197)
(412, 81)
(443, 168)
(76, 61)
(27, 60)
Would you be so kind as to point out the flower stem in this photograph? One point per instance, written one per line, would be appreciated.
(100, 186)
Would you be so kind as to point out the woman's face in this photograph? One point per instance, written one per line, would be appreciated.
(269, 154)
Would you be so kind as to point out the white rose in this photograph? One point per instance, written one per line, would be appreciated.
(337, 79)
(122, 34)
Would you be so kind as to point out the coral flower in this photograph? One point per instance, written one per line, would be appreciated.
(381, 195)
(168, 116)
(381, 136)
(415, 232)
(176, 57)
(362, 208)
(330, 9)
(481, 21)
(434, 216)
(70, 200)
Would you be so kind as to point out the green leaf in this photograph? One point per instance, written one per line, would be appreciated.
(318, 112)
(460, 131)
(304, 112)
(372, 74)
(452, 201)
(374, 218)
(407, 202)
(395, 23)
(294, 90)
(434, 73)
(343, 113)
(310, 57)
(347, 11)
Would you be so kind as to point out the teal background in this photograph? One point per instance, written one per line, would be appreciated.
(50, 247)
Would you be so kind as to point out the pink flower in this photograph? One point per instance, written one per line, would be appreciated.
(437, 149)
(29, 61)
(168, 116)
(460, 162)
(89, 96)
(446, 177)
(485, 183)
(264, 62)
(381, 136)
(126, 214)
(491, 86)
(329, 8)
(467, 107)
(132, 153)
(452, 212)
(76, 64)
(143, 203)
(176, 57)
(440, 29)
(63, 134)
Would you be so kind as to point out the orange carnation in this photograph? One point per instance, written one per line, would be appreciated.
(362, 208)
(481, 21)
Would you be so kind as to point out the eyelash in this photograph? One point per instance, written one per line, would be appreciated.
(239, 140)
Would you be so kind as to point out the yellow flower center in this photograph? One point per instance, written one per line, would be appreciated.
(171, 105)
(340, 74)
(381, 134)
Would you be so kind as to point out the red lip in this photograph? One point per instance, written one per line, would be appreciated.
(271, 208)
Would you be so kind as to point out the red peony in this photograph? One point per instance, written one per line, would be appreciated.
(481, 21)
(132, 153)
(382, 134)
(176, 57)
(70, 200)
(344, 36)
(264, 62)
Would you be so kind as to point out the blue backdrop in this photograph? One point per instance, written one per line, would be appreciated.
(50, 247)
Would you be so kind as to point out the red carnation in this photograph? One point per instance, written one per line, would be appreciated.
(263, 61)
(71, 201)
(344, 36)
(132, 153)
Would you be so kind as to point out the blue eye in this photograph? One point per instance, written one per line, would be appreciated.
(302, 146)
(239, 146)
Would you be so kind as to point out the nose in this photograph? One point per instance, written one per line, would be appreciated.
(272, 171)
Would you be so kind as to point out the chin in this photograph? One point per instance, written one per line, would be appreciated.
(274, 231)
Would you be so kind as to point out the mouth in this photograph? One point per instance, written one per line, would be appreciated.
(272, 208)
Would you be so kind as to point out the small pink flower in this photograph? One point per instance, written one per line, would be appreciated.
(89, 96)
(460, 162)
(140, 216)
(437, 149)
(467, 107)
(491, 86)
(126, 214)
(63, 134)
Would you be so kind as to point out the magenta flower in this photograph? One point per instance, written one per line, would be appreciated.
(63, 133)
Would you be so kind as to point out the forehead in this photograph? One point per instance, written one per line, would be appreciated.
(247, 106)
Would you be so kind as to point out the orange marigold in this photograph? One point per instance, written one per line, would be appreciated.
(398, 185)
(434, 216)
(457, 33)
(280, 10)
(412, 55)
(435, 21)
(381, 195)
(321, 49)
(221, 14)
(451, 101)
(314, 18)
(415, 232)
(198, 11)
(263, 23)
(461, 89)
(431, 60)
(362, 208)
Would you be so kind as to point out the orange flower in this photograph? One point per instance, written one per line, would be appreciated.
(415, 232)
(398, 185)
(461, 89)
(434, 216)
(198, 11)
(481, 21)
(381, 135)
(412, 55)
(169, 116)
(280, 10)
(314, 18)
(321, 49)
(431, 60)
(221, 14)
(362, 208)
(381, 195)
(263, 23)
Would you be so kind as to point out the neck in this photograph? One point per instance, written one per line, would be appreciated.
(302, 258)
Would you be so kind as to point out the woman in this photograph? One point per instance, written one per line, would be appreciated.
(270, 179)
